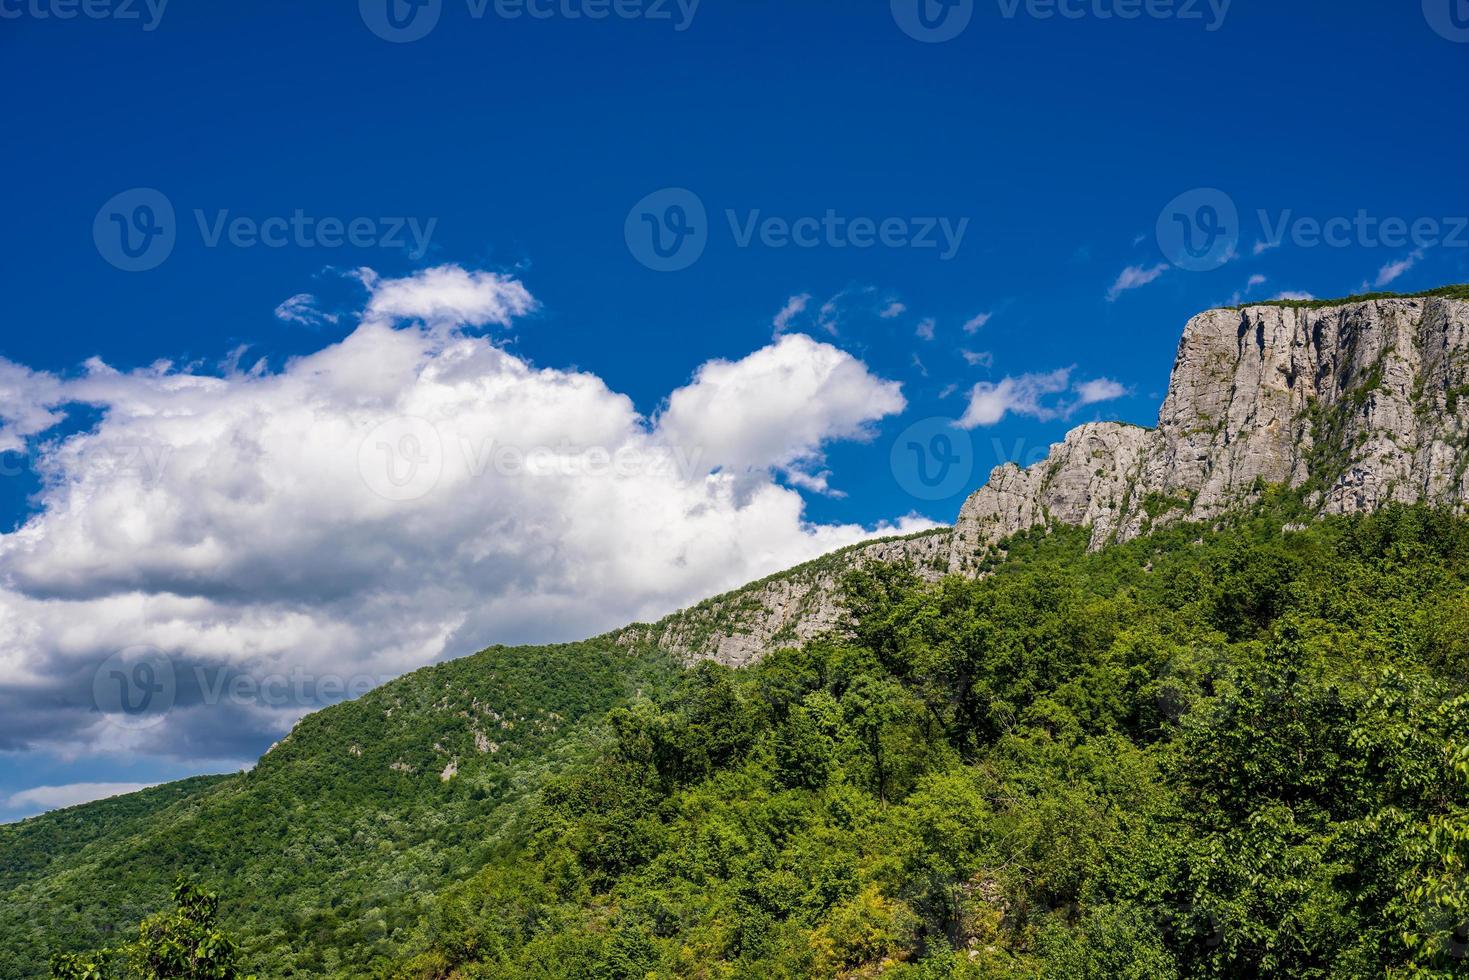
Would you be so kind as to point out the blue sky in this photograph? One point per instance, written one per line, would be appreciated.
(1037, 153)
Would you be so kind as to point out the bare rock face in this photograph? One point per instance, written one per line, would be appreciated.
(785, 610)
(1358, 404)
(1361, 404)
(1085, 480)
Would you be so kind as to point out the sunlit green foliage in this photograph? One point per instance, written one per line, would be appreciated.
(185, 944)
(1232, 753)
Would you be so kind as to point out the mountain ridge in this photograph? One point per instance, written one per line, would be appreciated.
(1235, 421)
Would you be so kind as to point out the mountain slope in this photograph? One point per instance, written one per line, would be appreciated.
(1229, 753)
(1356, 402)
(342, 832)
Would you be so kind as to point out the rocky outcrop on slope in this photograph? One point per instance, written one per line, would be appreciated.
(1357, 404)
(786, 609)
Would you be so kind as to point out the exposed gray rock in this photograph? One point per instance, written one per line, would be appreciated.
(787, 609)
(1359, 404)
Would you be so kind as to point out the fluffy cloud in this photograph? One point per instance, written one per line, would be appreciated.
(1099, 390)
(27, 404)
(1135, 277)
(775, 408)
(1035, 395)
(412, 492)
(450, 295)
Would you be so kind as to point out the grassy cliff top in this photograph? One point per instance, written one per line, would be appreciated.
(1460, 291)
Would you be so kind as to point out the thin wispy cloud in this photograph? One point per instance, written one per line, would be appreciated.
(302, 309)
(794, 307)
(1391, 272)
(977, 321)
(1135, 277)
(1240, 294)
(925, 328)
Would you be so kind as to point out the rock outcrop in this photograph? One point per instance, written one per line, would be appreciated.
(786, 609)
(1356, 404)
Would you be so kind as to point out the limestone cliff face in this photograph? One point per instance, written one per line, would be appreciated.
(1358, 404)
(1361, 404)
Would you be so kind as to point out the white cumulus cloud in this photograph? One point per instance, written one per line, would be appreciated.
(411, 492)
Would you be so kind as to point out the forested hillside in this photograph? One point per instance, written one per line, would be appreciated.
(326, 853)
(1238, 751)
(1230, 754)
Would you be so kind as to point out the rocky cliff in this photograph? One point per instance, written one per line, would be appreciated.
(1358, 404)
(1355, 403)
